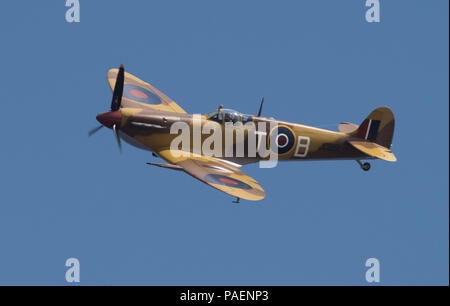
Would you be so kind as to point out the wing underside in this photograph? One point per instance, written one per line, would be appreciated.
(217, 173)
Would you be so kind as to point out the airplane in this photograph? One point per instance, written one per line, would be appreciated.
(141, 115)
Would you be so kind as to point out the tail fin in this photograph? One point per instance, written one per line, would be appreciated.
(378, 127)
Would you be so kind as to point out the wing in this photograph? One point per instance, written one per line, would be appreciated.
(217, 173)
(374, 150)
(139, 94)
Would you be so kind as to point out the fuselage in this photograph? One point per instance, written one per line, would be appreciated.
(151, 130)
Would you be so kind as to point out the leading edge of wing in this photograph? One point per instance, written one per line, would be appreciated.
(216, 173)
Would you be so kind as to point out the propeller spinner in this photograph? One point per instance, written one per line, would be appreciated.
(113, 118)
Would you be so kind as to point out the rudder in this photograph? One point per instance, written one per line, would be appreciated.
(378, 127)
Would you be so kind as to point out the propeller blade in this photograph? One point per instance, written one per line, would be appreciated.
(94, 130)
(116, 133)
(118, 89)
(260, 107)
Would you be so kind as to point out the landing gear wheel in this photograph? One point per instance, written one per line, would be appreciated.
(365, 166)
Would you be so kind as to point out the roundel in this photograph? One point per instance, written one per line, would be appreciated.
(281, 139)
(140, 94)
(226, 181)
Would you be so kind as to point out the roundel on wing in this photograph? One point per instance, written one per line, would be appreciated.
(226, 181)
(140, 94)
(281, 139)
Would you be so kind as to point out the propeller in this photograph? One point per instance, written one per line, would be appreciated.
(116, 133)
(118, 90)
(94, 130)
(112, 118)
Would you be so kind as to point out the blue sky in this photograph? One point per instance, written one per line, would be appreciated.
(315, 62)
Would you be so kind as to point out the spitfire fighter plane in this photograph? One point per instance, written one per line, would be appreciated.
(141, 115)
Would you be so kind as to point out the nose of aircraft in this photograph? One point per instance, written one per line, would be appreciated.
(109, 119)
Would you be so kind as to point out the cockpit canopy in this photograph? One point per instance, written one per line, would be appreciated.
(228, 115)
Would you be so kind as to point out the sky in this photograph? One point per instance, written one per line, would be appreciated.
(64, 195)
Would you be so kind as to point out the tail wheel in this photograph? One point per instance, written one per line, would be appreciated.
(365, 166)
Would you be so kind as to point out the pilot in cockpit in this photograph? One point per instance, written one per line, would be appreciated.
(228, 115)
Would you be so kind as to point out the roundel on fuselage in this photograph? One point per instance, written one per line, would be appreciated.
(281, 139)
